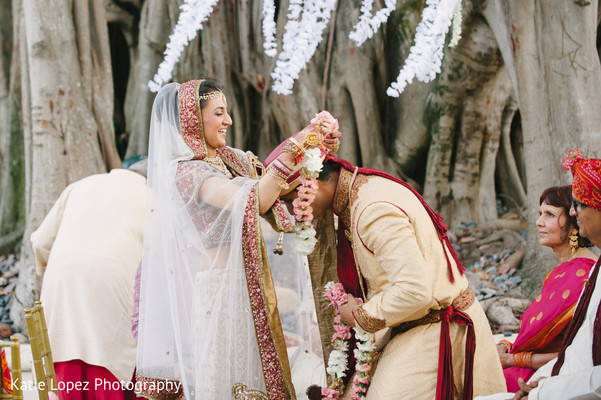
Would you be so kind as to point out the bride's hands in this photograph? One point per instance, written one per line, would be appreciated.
(324, 130)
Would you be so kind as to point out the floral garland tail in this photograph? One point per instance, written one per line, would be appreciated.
(338, 360)
(425, 57)
(193, 14)
(304, 31)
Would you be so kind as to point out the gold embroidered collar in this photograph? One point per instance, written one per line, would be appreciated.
(341, 195)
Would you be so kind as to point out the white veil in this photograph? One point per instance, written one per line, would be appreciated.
(198, 332)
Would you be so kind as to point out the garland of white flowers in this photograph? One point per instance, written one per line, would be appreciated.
(457, 20)
(335, 294)
(269, 28)
(193, 14)
(303, 33)
(368, 25)
(425, 57)
(304, 241)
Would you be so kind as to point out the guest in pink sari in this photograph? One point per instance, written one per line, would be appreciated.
(545, 321)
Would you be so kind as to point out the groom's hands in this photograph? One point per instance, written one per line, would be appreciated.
(346, 310)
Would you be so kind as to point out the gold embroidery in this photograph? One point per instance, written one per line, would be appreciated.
(346, 192)
(464, 300)
(256, 167)
(241, 392)
(219, 165)
(366, 321)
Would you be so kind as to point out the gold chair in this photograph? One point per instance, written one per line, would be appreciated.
(40, 351)
(15, 369)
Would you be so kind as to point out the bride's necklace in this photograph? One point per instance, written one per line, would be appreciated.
(218, 164)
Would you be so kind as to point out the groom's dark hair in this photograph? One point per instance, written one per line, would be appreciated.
(329, 171)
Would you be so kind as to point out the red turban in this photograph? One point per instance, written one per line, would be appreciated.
(586, 183)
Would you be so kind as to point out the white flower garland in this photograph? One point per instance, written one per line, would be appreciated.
(425, 57)
(368, 25)
(301, 38)
(269, 27)
(457, 20)
(365, 348)
(304, 241)
(193, 14)
(304, 31)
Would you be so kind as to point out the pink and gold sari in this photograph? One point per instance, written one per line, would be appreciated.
(544, 322)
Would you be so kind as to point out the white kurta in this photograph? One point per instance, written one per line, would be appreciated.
(577, 375)
(88, 248)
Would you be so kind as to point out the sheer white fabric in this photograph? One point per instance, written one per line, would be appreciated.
(196, 327)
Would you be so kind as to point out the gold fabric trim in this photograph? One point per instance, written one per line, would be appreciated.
(346, 193)
(241, 392)
(366, 321)
(271, 304)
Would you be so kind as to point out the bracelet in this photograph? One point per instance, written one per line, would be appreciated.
(523, 359)
(282, 167)
(507, 343)
(279, 179)
(293, 148)
(280, 172)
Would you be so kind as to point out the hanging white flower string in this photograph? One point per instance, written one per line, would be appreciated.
(368, 25)
(303, 33)
(269, 28)
(425, 57)
(457, 20)
(193, 14)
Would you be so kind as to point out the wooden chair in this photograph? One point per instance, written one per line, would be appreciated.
(15, 369)
(40, 351)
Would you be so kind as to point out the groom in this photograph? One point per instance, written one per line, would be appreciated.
(392, 251)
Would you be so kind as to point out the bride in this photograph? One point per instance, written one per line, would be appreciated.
(209, 323)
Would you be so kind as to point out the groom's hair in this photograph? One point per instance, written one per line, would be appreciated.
(329, 171)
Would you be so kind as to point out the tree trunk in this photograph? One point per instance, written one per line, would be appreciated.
(67, 112)
(11, 136)
(551, 47)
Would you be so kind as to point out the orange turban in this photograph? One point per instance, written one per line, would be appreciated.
(586, 183)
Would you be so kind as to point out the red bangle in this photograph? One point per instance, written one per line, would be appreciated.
(523, 359)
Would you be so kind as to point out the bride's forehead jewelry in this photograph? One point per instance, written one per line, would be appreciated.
(213, 95)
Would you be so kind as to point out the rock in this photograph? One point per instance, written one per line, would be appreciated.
(503, 269)
(516, 279)
(503, 313)
(499, 280)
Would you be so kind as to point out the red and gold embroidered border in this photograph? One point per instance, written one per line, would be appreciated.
(190, 119)
(159, 389)
(251, 248)
(282, 218)
(464, 300)
(230, 159)
(342, 195)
